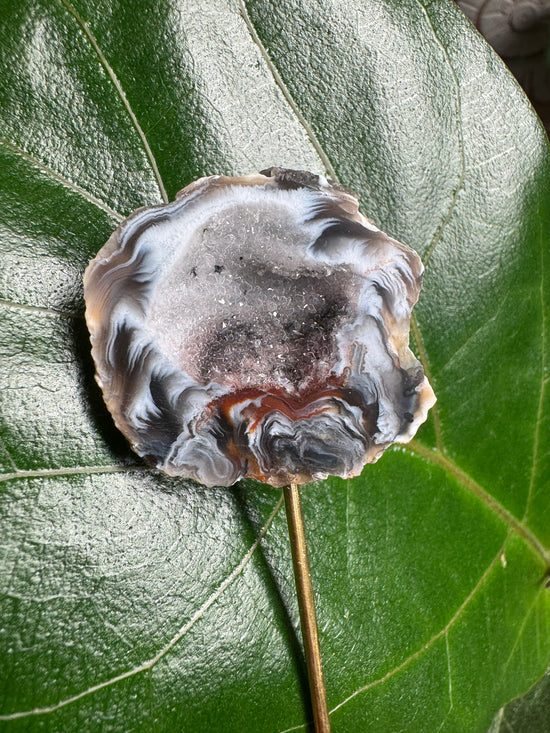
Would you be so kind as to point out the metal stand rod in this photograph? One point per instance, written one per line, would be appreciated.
(306, 604)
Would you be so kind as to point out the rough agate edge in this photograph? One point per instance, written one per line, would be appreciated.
(257, 326)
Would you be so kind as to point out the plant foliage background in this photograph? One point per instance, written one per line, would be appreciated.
(130, 601)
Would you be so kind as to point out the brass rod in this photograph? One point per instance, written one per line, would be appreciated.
(306, 604)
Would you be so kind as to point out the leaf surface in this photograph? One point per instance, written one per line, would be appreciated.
(130, 601)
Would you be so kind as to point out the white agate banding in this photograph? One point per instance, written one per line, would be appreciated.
(257, 326)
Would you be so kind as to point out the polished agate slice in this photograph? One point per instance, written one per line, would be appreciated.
(257, 326)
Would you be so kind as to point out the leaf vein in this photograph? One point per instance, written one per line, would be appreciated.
(471, 339)
(117, 216)
(462, 174)
(471, 485)
(442, 632)
(449, 670)
(449, 674)
(118, 86)
(520, 633)
(329, 168)
(67, 471)
(40, 309)
(150, 663)
(8, 454)
(427, 645)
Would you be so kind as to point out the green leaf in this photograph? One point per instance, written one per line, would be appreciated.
(130, 601)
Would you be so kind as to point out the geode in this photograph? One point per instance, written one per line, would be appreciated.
(257, 326)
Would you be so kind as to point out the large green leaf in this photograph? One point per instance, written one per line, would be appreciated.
(134, 602)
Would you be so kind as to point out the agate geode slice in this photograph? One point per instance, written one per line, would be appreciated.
(257, 326)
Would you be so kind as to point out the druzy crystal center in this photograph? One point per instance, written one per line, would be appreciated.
(257, 326)
(271, 317)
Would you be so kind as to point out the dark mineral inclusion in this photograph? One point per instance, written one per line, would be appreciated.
(257, 326)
